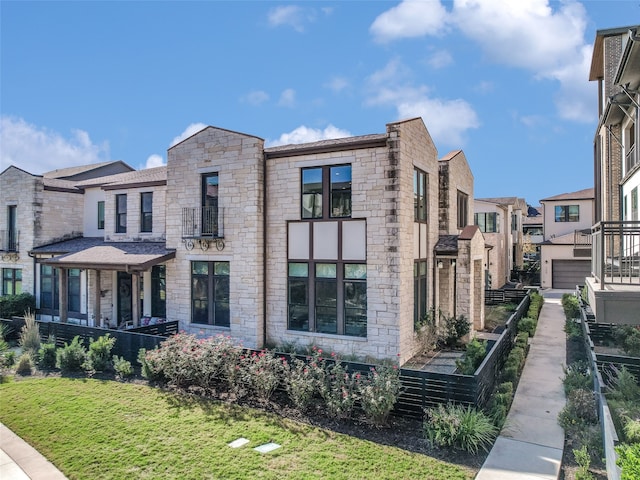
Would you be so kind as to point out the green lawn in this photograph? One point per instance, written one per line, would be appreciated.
(93, 429)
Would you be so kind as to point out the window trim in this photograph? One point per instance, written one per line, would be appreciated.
(212, 302)
(13, 280)
(326, 192)
(562, 213)
(420, 185)
(101, 215)
(121, 216)
(462, 210)
(146, 216)
(483, 227)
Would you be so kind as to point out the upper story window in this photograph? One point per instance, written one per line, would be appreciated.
(488, 222)
(146, 212)
(631, 154)
(419, 195)
(567, 213)
(101, 215)
(121, 213)
(326, 192)
(514, 222)
(463, 209)
(209, 197)
(10, 243)
(634, 204)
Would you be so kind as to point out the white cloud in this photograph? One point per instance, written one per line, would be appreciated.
(37, 149)
(440, 59)
(411, 18)
(337, 84)
(256, 98)
(294, 16)
(190, 130)
(287, 98)
(153, 161)
(304, 134)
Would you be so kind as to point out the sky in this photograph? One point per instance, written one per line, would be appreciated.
(505, 81)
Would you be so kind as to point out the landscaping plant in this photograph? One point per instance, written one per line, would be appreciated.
(24, 365)
(571, 306)
(99, 354)
(379, 392)
(629, 461)
(47, 355)
(583, 459)
(577, 376)
(301, 383)
(30, 334)
(452, 329)
(16, 305)
(122, 367)
(473, 357)
(338, 390)
(71, 357)
(458, 426)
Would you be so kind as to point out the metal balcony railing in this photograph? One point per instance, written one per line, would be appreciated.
(9, 240)
(631, 159)
(582, 243)
(615, 257)
(203, 222)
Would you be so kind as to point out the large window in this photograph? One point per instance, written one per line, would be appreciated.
(146, 212)
(419, 291)
(121, 213)
(328, 298)
(11, 244)
(326, 192)
(463, 209)
(488, 222)
(101, 215)
(158, 291)
(210, 293)
(11, 281)
(50, 288)
(567, 213)
(419, 195)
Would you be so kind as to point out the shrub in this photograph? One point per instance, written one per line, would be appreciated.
(625, 386)
(572, 329)
(122, 367)
(583, 459)
(577, 376)
(301, 383)
(628, 337)
(17, 305)
(24, 366)
(71, 357)
(522, 340)
(452, 329)
(527, 325)
(473, 357)
(535, 305)
(30, 334)
(579, 411)
(426, 334)
(500, 402)
(629, 461)
(149, 367)
(631, 431)
(338, 390)
(379, 392)
(264, 371)
(47, 355)
(99, 355)
(9, 358)
(460, 427)
(571, 306)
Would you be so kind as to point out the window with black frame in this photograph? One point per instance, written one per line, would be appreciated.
(299, 296)
(419, 291)
(101, 215)
(326, 192)
(567, 213)
(11, 281)
(121, 213)
(210, 293)
(146, 212)
(488, 222)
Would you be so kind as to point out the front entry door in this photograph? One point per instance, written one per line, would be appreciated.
(124, 298)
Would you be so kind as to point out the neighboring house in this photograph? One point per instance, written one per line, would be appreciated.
(329, 243)
(613, 286)
(565, 253)
(501, 222)
(533, 230)
(37, 210)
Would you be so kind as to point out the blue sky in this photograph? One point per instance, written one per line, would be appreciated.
(505, 81)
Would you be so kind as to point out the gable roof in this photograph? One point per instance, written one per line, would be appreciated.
(136, 178)
(586, 194)
(93, 170)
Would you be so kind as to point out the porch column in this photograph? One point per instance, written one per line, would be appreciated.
(135, 299)
(97, 288)
(63, 294)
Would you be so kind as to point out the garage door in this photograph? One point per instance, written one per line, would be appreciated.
(566, 274)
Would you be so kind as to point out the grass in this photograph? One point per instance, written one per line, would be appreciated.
(108, 430)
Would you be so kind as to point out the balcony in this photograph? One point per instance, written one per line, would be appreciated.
(631, 159)
(616, 253)
(9, 240)
(582, 243)
(204, 226)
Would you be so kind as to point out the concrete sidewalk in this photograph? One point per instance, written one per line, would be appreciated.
(20, 461)
(531, 444)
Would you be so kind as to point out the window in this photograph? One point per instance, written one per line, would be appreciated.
(328, 298)
(101, 215)
(514, 222)
(634, 204)
(210, 293)
(159, 291)
(146, 212)
(11, 244)
(419, 291)
(121, 213)
(567, 213)
(463, 209)
(11, 281)
(326, 189)
(50, 288)
(419, 195)
(488, 222)
(210, 204)
(73, 290)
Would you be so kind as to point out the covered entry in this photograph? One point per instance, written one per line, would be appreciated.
(566, 274)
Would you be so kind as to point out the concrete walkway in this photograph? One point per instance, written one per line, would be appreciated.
(531, 444)
(20, 461)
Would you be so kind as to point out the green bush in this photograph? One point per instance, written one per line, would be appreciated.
(500, 403)
(625, 386)
(99, 355)
(47, 355)
(631, 431)
(452, 329)
(579, 411)
(24, 366)
(629, 461)
(577, 376)
(628, 337)
(528, 325)
(460, 427)
(535, 305)
(583, 459)
(522, 340)
(9, 358)
(571, 306)
(473, 357)
(378, 392)
(122, 367)
(71, 357)
(572, 329)
(17, 305)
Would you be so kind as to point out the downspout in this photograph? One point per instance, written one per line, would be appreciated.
(264, 248)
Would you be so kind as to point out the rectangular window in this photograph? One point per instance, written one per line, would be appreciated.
(567, 213)
(11, 281)
(121, 213)
(146, 212)
(419, 291)
(463, 209)
(488, 222)
(158, 291)
(73, 290)
(514, 222)
(210, 293)
(48, 288)
(634, 204)
(328, 298)
(101, 215)
(11, 244)
(209, 198)
(419, 196)
(326, 189)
